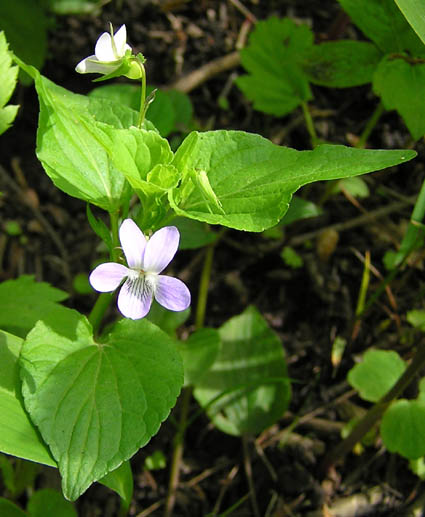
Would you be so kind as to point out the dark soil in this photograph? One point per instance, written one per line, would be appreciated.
(308, 307)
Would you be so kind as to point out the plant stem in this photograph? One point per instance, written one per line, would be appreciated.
(177, 453)
(376, 411)
(187, 392)
(104, 299)
(142, 111)
(248, 473)
(309, 124)
(99, 309)
(376, 115)
(203, 287)
(415, 231)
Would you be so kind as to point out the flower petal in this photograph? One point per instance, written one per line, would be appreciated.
(160, 249)
(120, 39)
(172, 293)
(133, 243)
(103, 48)
(107, 277)
(91, 65)
(135, 298)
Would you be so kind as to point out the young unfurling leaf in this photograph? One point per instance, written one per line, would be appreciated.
(200, 179)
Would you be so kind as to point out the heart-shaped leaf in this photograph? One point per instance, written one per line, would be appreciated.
(403, 428)
(247, 387)
(95, 403)
(376, 374)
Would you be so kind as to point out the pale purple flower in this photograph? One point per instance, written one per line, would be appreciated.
(108, 55)
(146, 259)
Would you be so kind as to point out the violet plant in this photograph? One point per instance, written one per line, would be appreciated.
(146, 259)
(84, 396)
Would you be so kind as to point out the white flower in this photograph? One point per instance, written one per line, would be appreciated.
(142, 279)
(108, 55)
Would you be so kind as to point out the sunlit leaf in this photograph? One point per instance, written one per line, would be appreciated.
(376, 374)
(96, 403)
(254, 179)
(403, 428)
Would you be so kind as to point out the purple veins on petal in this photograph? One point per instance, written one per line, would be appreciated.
(135, 298)
(172, 293)
(107, 277)
(133, 243)
(160, 249)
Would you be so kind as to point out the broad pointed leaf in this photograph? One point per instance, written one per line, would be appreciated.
(23, 302)
(25, 24)
(254, 179)
(96, 403)
(247, 387)
(414, 12)
(399, 84)
(18, 436)
(383, 23)
(341, 64)
(275, 81)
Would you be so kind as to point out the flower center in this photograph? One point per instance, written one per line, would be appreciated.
(134, 274)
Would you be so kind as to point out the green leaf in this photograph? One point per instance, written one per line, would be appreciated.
(291, 257)
(248, 379)
(376, 374)
(198, 354)
(49, 503)
(70, 149)
(166, 320)
(421, 389)
(276, 83)
(183, 109)
(99, 227)
(96, 404)
(62, 7)
(403, 428)
(300, 209)
(7, 473)
(170, 110)
(414, 12)
(9, 509)
(357, 187)
(193, 234)
(397, 82)
(25, 25)
(137, 152)
(416, 317)
(382, 22)
(418, 467)
(127, 94)
(156, 461)
(9, 75)
(161, 112)
(254, 179)
(74, 143)
(341, 64)
(23, 302)
(121, 481)
(144, 158)
(18, 436)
